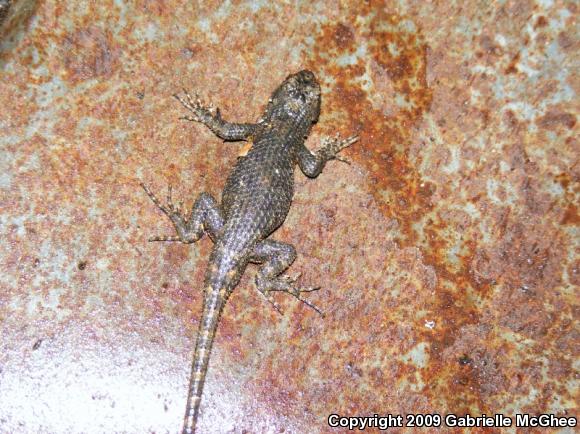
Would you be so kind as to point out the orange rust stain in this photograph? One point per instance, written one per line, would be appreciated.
(396, 64)
(571, 216)
(565, 180)
(398, 58)
(385, 142)
(513, 66)
(155, 7)
(541, 22)
(451, 383)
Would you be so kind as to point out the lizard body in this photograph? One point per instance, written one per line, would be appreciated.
(255, 201)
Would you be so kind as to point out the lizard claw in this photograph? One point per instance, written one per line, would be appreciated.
(342, 159)
(331, 147)
(171, 211)
(284, 284)
(296, 293)
(164, 238)
(291, 279)
(169, 201)
(195, 105)
(272, 302)
(154, 198)
(311, 305)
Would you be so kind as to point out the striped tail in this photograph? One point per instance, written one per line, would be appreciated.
(214, 300)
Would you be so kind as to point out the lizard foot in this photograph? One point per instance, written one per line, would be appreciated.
(332, 146)
(284, 284)
(174, 214)
(201, 112)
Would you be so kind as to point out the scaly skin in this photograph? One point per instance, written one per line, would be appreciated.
(255, 201)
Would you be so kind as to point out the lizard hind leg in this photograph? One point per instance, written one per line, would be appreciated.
(275, 258)
(205, 215)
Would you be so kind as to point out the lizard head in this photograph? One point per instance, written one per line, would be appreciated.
(298, 96)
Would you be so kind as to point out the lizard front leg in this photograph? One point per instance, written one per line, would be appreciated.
(312, 164)
(205, 215)
(275, 258)
(204, 114)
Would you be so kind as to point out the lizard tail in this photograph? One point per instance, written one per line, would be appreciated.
(215, 296)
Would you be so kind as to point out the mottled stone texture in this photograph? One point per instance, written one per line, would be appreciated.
(447, 252)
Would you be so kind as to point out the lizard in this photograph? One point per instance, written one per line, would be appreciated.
(254, 203)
